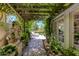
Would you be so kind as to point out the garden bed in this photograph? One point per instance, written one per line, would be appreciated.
(56, 49)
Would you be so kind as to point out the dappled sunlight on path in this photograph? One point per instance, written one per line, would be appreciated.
(35, 46)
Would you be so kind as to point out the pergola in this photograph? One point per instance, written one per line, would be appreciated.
(36, 11)
(39, 10)
(64, 22)
(58, 13)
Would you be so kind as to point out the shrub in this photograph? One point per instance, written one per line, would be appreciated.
(57, 48)
(76, 52)
(25, 38)
(7, 50)
(55, 45)
(69, 52)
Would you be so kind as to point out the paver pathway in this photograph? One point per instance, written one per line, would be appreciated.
(35, 46)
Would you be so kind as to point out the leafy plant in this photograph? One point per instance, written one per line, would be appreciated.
(77, 36)
(25, 37)
(76, 52)
(57, 48)
(55, 45)
(8, 49)
(69, 52)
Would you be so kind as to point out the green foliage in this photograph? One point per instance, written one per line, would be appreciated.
(77, 36)
(31, 24)
(25, 38)
(76, 52)
(25, 35)
(69, 52)
(8, 49)
(55, 45)
(5, 8)
(47, 28)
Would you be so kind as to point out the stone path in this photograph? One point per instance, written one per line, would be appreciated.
(35, 46)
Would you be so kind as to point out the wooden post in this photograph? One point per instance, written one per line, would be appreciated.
(71, 31)
(66, 30)
(57, 29)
